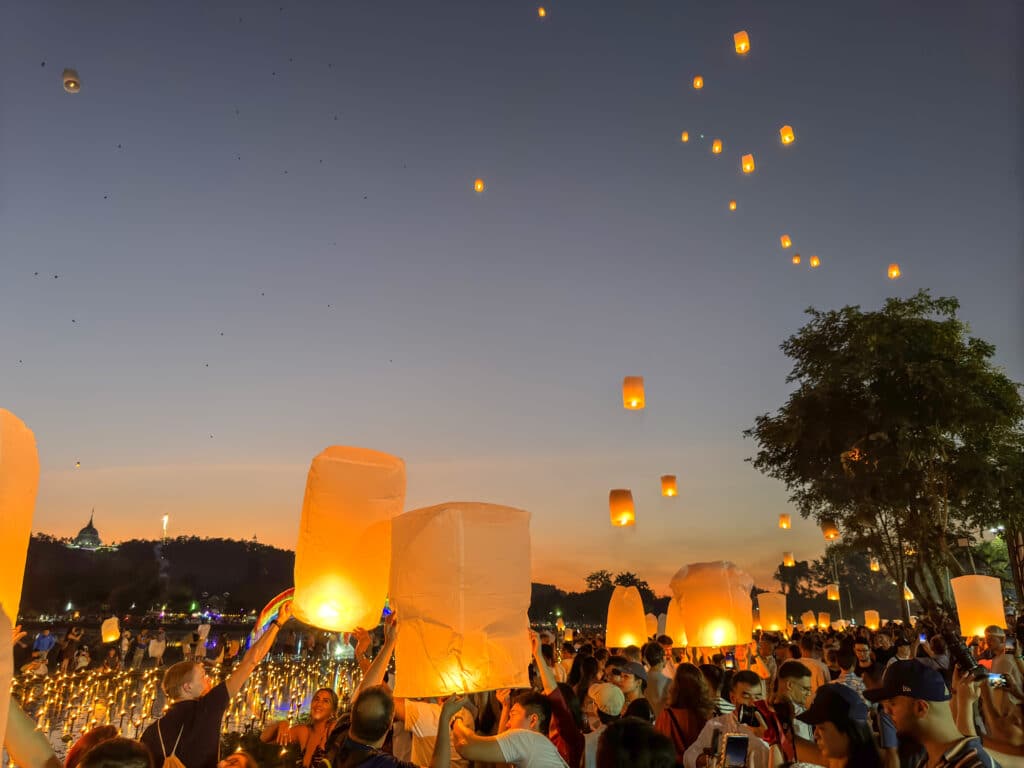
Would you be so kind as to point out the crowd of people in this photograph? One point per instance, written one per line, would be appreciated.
(855, 697)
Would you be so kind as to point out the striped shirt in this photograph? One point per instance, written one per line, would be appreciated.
(966, 753)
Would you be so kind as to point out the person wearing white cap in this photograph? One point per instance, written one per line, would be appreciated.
(610, 701)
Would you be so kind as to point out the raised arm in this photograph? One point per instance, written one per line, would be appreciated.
(547, 675)
(26, 746)
(255, 655)
(442, 757)
(374, 675)
(481, 749)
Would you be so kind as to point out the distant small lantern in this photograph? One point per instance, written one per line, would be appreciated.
(874, 566)
(479, 186)
(72, 84)
(747, 163)
(815, 262)
(786, 134)
(716, 147)
(894, 272)
(788, 560)
(871, 619)
(824, 619)
(110, 630)
(684, 136)
(732, 205)
(542, 12)
(620, 507)
(829, 530)
(785, 521)
(833, 591)
(785, 241)
(669, 487)
(807, 618)
(796, 258)
(633, 393)
(907, 594)
(698, 82)
(742, 42)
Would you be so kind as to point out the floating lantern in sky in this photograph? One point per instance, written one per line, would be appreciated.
(824, 619)
(796, 258)
(908, 595)
(747, 163)
(786, 134)
(698, 82)
(829, 530)
(785, 521)
(716, 147)
(78, 465)
(620, 507)
(808, 619)
(19, 481)
(627, 624)
(873, 565)
(742, 42)
(785, 241)
(871, 619)
(72, 84)
(669, 487)
(894, 271)
(460, 583)
(979, 603)
(633, 393)
(832, 591)
(815, 262)
(773, 611)
(684, 136)
(788, 560)
(542, 11)
(732, 205)
(343, 555)
(110, 630)
(479, 186)
(716, 603)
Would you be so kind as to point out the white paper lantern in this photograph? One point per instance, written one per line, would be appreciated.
(824, 619)
(6, 668)
(716, 603)
(808, 619)
(871, 619)
(662, 618)
(110, 630)
(675, 624)
(19, 482)
(626, 622)
(773, 611)
(652, 624)
(460, 585)
(979, 603)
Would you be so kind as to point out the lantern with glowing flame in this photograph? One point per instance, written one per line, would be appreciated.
(684, 136)
(460, 583)
(773, 611)
(110, 630)
(874, 565)
(716, 147)
(796, 258)
(786, 134)
(732, 205)
(542, 11)
(833, 591)
(669, 487)
(344, 550)
(808, 619)
(633, 393)
(785, 521)
(787, 559)
(675, 624)
(747, 163)
(979, 603)
(785, 241)
(620, 507)
(829, 530)
(742, 42)
(894, 271)
(815, 262)
(871, 619)
(824, 619)
(19, 481)
(627, 624)
(716, 603)
(698, 82)
(567, 635)
(907, 594)
(72, 83)
(479, 186)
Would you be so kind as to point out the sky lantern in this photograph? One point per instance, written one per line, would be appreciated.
(716, 147)
(908, 595)
(824, 619)
(979, 603)
(627, 624)
(479, 186)
(829, 530)
(717, 609)
(894, 271)
(633, 393)
(652, 625)
(788, 560)
(732, 205)
(343, 555)
(684, 136)
(786, 134)
(871, 619)
(785, 241)
(19, 481)
(832, 591)
(698, 82)
(110, 630)
(460, 585)
(742, 42)
(773, 611)
(620, 507)
(874, 565)
(542, 11)
(785, 521)
(669, 486)
(675, 625)
(796, 258)
(747, 163)
(72, 83)
(6, 671)
(808, 619)
(815, 262)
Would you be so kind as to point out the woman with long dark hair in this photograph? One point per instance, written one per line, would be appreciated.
(312, 738)
(841, 731)
(690, 705)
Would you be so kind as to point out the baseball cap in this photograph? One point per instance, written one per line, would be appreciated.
(609, 698)
(636, 670)
(835, 703)
(910, 678)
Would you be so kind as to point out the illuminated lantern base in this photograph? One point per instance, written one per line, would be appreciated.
(824, 619)
(110, 630)
(675, 624)
(716, 603)
(773, 611)
(979, 603)
(6, 668)
(808, 619)
(627, 623)
(871, 620)
(19, 481)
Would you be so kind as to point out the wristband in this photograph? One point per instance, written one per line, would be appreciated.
(279, 626)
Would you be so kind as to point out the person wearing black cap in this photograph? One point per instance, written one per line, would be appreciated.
(841, 730)
(917, 700)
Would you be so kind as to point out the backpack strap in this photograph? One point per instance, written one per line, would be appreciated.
(160, 735)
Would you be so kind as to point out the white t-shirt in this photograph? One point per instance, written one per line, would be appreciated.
(527, 749)
(759, 754)
(590, 746)
(421, 720)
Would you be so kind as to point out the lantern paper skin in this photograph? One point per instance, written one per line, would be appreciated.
(675, 624)
(343, 554)
(785, 241)
(6, 668)
(785, 521)
(815, 262)
(829, 529)
(479, 186)
(662, 619)
(669, 487)
(652, 625)
(542, 11)
(716, 603)
(716, 147)
(871, 619)
(979, 603)
(824, 619)
(19, 482)
(773, 611)
(874, 565)
(627, 624)
(788, 560)
(110, 630)
(620, 507)
(684, 136)
(742, 42)
(460, 585)
(633, 393)
(747, 163)
(807, 618)
(796, 258)
(72, 83)
(786, 134)
(698, 82)
(833, 591)
(894, 271)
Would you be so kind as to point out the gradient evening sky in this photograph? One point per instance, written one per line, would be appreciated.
(298, 177)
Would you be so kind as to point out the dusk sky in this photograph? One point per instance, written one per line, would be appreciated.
(253, 234)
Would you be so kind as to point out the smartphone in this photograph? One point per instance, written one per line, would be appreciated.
(922, 638)
(730, 660)
(996, 681)
(747, 716)
(1010, 642)
(735, 750)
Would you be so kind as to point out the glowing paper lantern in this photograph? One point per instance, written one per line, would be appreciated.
(787, 559)
(824, 619)
(684, 136)
(833, 591)
(6, 669)
(871, 619)
(479, 186)
(19, 481)
(110, 630)
(785, 241)
(732, 205)
(675, 624)
(72, 83)
(669, 487)
(567, 635)
(716, 603)
(747, 163)
(542, 12)
(786, 134)
(807, 619)
(828, 527)
(742, 42)
(894, 271)
(620, 507)
(773, 611)
(652, 624)
(796, 258)
(460, 583)
(662, 618)
(785, 521)
(344, 550)
(627, 624)
(874, 566)
(698, 82)
(716, 147)
(907, 594)
(633, 393)
(979, 603)
(815, 262)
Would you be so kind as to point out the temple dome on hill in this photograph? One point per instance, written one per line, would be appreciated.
(88, 537)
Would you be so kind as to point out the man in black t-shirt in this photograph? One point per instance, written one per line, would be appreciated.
(190, 728)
